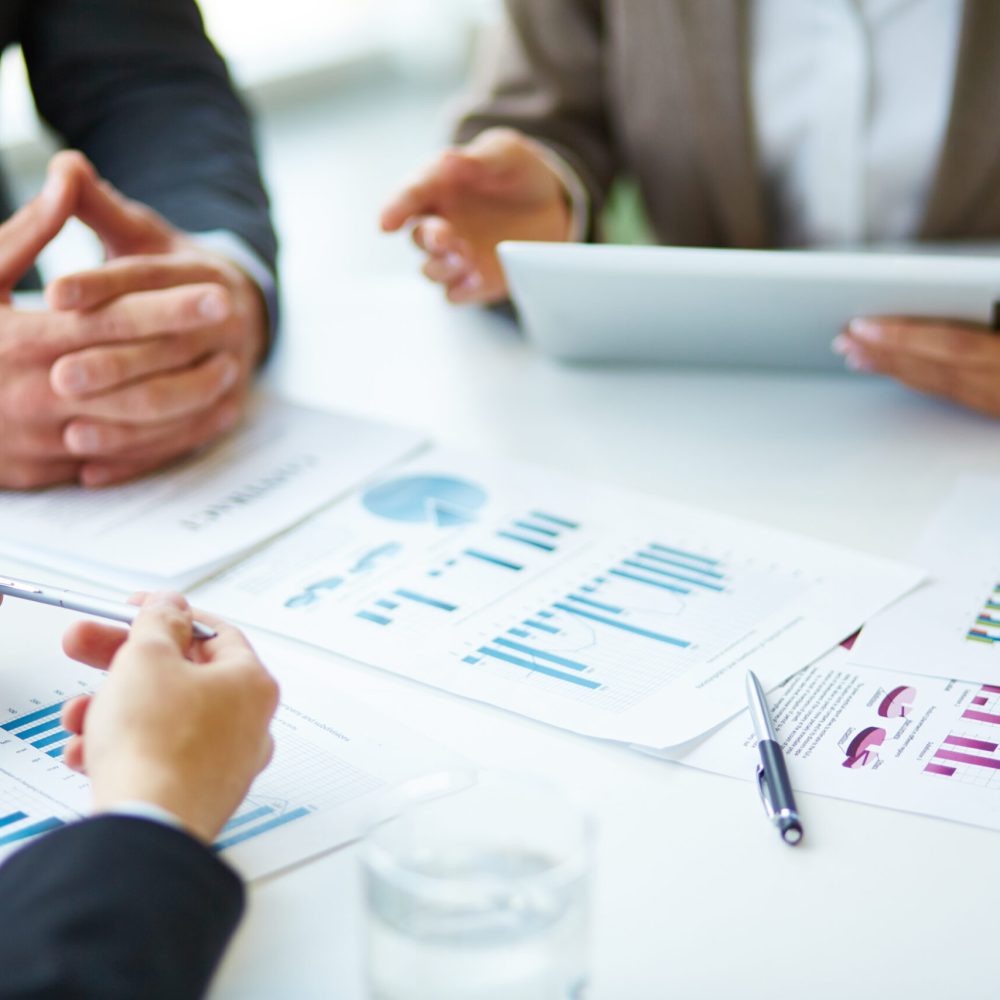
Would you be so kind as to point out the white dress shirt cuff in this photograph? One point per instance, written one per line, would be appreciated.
(146, 810)
(576, 192)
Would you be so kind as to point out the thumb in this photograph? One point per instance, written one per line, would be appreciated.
(26, 233)
(164, 619)
(123, 226)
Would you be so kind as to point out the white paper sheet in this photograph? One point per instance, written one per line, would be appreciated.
(949, 627)
(175, 527)
(592, 609)
(898, 740)
(338, 767)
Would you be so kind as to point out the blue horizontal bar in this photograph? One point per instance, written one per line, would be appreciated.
(618, 623)
(254, 831)
(680, 565)
(249, 817)
(528, 526)
(541, 654)
(370, 616)
(600, 579)
(652, 583)
(560, 522)
(470, 659)
(31, 831)
(388, 605)
(486, 557)
(538, 668)
(533, 542)
(541, 625)
(672, 575)
(684, 555)
(520, 633)
(26, 734)
(54, 738)
(589, 589)
(25, 719)
(595, 604)
(546, 614)
(58, 752)
(432, 602)
(13, 818)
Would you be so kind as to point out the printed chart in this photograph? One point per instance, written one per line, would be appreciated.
(591, 609)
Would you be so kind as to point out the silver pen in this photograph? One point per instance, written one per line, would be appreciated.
(100, 607)
(772, 774)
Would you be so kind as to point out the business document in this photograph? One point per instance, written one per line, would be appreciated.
(599, 611)
(887, 738)
(178, 525)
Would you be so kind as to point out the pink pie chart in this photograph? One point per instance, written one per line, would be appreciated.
(898, 703)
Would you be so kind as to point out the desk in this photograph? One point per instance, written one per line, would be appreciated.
(688, 872)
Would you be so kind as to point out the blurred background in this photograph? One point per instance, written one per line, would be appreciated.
(350, 97)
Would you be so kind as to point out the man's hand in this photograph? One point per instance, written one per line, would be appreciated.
(179, 724)
(496, 188)
(959, 361)
(177, 332)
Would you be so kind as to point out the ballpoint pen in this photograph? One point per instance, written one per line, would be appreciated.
(116, 611)
(772, 775)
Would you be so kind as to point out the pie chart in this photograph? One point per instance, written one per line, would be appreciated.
(863, 749)
(441, 500)
(898, 703)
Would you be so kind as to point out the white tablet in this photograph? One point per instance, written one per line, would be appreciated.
(756, 308)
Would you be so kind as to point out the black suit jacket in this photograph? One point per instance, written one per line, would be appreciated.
(137, 86)
(114, 908)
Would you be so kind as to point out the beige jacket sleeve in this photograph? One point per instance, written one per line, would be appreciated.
(542, 74)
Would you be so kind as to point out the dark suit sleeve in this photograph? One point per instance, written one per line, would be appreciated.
(544, 74)
(114, 908)
(139, 88)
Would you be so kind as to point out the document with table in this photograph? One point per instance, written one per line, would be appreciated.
(596, 610)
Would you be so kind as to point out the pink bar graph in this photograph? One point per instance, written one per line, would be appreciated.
(979, 700)
(971, 713)
(991, 688)
(940, 769)
(964, 741)
(968, 758)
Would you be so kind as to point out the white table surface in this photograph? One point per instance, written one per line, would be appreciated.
(694, 894)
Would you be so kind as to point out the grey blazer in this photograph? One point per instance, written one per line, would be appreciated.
(659, 90)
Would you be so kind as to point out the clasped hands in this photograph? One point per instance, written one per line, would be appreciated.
(133, 363)
(500, 187)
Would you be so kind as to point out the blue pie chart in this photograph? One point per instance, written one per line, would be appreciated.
(441, 500)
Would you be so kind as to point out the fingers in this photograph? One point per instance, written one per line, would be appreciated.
(166, 397)
(74, 712)
(131, 318)
(95, 439)
(414, 200)
(32, 475)
(93, 644)
(73, 753)
(124, 226)
(933, 339)
(164, 620)
(124, 275)
(450, 260)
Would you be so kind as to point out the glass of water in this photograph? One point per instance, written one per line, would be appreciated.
(480, 895)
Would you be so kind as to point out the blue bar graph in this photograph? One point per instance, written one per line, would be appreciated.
(625, 626)
(470, 659)
(528, 526)
(431, 602)
(54, 738)
(652, 583)
(545, 614)
(12, 818)
(496, 654)
(541, 626)
(495, 560)
(256, 831)
(684, 555)
(703, 570)
(58, 752)
(559, 522)
(259, 813)
(26, 734)
(533, 542)
(31, 831)
(674, 576)
(520, 633)
(540, 654)
(595, 604)
(42, 713)
(388, 605)
(370, 616)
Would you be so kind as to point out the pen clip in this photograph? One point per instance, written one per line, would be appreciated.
(765, 795)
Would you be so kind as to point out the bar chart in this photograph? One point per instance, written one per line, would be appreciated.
(969, 753)
(986, 629)
(41, 729)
